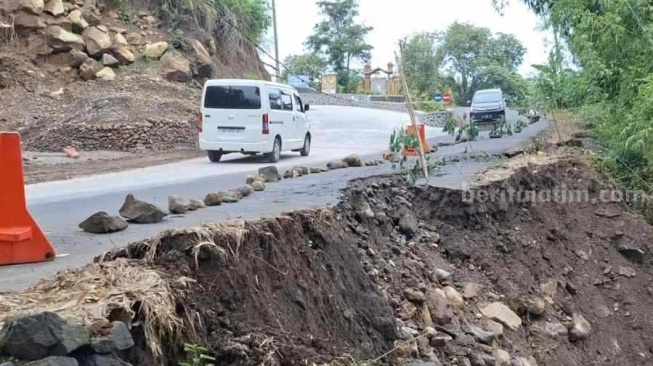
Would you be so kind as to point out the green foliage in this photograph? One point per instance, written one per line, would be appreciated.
(306, 64)
(197, 356)
(421, 64)
(339, 40)
(400, 140)
(428, 106)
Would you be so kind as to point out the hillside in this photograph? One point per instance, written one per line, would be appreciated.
(114, 76)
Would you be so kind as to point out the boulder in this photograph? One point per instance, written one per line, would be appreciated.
(177, 205)
(175, 67)
(28, 21)
(62, 40)
(353, 160)
(77, 58)
(88, 69)
(302, 170)
(499, 312)
(152, 50)
(141, 212)
(120, 40)
(230, 197)
(337, 165)
(106, 74)
(315, 170)
(481, 335)
(97, 41)
(103, 223)
(245, 190)
(580, 328)
(270, 173)
(290, 174)
(454, 297)
(110, 61)
(32, 6)
(91, 17)
(34, 337)
(54, 7)
(213, 199)
(194, 205)
(258, 186)
(104, 360)
(123, 54)
(76, 18)
(135, 39)
(203, 65)
(119, 339)
(54, 361)
(438, 305)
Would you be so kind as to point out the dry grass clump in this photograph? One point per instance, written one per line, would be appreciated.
(91, 294)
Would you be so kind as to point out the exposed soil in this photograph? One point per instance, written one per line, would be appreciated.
(314, 285)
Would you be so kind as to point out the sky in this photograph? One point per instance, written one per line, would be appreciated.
(395, 19)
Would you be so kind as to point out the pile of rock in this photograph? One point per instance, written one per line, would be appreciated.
(156, 134)
(73, 33)
(48, 340)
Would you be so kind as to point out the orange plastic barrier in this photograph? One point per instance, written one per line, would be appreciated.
(410, 130)
(21, 239)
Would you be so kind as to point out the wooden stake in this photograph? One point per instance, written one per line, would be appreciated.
(411, 112)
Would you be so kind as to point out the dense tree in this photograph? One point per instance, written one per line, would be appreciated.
(306, 64)
(476, 59)
(421, 64)
(339, 39)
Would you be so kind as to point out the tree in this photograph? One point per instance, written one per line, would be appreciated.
(467, 51)
(421, 63)
(339, 39)
(306, 64)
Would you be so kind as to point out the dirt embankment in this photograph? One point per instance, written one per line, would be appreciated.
(423, 272)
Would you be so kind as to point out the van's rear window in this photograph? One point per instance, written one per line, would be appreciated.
(232, 97)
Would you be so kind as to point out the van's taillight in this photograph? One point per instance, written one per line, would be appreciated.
(266, 124)
(201, 122)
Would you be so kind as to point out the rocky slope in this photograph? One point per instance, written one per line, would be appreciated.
(100, 77)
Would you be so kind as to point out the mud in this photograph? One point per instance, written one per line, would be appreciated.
(314, 286)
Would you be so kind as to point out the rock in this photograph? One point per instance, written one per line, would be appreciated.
(97, 41)
(28, 21)
(194, 205)
(270, 173)
(315, 170)
(627, 272)
(521, 361)
(76, 18)
(110, 61)
(494, 327)
(414, 295)
(88, 69)
(290, 174)
(34, 337)
(258, 186)
(549, 329)
(230, 197)
(123, 55)
(213, 199)
(337, 165)
(152, 50)
(91, 17)
(106, 74)
(250, 179)
(454, 297)
(502, 357)
(103, 223)
(353, 160)
(607, 213)
(77, 58)
(535, 306)
(476, 359)
(550, 289)
(120, 40)
(471, 290)
(441, 275)
(425, 363)
(62, 40)
(54, 7)
(203, 62)
(104, 360)
(245, 190)
(499, 312)
(424, 315)
(408, 224)
(441, 312)
(54, 361)
(177, 205)
(635, 255)
(119, 339)
(441, 341)
(580, 328)
(141, 212)
(301, 169)
(482, 335)
(423, 346)
(175, 67)
(32, 6)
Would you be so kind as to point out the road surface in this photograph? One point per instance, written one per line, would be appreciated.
(58, 207)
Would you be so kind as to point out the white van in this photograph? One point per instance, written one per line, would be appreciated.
(252, 117)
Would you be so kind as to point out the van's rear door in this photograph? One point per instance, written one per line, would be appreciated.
(232, 112)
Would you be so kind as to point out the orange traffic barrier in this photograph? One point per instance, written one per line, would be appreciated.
(21, 239)
(410, 130)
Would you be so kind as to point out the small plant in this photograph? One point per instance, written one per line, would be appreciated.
(400, 140)
(198, 356)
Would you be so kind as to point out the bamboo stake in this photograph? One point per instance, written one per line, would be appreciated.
(411, 112)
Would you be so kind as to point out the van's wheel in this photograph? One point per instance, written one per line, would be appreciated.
(306, 149)
(215, 155)
(274, 155)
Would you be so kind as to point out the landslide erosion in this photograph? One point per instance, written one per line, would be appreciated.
(114, 75)
(391, 275)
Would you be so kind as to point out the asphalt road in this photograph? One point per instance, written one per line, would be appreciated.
(58, 207)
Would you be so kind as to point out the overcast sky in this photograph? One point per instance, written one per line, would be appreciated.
(395, 19)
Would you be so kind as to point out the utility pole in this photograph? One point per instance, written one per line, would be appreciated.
(276, 41)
